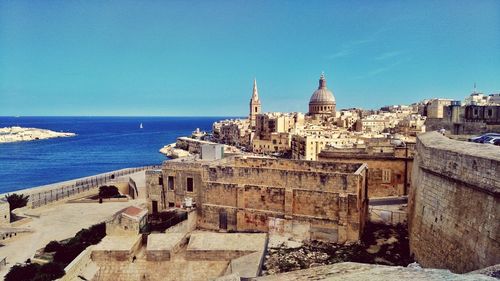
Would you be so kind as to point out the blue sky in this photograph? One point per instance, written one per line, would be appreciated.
(200, 58)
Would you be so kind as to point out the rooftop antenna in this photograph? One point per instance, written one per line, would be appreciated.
(474, 87)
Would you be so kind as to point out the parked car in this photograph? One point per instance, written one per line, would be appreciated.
(481, 139)
(491, 140)
(496, 142)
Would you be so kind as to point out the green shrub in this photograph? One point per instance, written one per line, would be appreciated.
(110, 191)
(16, 200)
(22, 272)
(49, 271)
(53, 246)
(64, 254)
(68, 253)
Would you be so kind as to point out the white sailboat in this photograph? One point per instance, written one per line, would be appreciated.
(140, 126)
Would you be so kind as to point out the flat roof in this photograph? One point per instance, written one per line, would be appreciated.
(211, 241)
(117, 243)
(164, 241)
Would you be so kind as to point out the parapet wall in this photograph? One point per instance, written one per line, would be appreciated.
(454, 204)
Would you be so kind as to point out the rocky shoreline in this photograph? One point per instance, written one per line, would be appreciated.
(173, 152)
(18, 134)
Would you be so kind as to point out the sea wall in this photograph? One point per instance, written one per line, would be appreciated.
(454, 204)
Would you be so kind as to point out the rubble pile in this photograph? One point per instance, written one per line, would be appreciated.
(381, 244)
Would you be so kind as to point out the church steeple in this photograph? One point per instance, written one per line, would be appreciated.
(255, 95)
(255, 105)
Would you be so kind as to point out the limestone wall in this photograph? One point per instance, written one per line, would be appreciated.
(454, 204)
(322, 200)
(4, 213)
(316, 201)
(386, 175)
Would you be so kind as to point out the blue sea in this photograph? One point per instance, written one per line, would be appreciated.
(102, 144)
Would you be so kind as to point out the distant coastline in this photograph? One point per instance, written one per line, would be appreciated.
(102, 144)
(19, 134)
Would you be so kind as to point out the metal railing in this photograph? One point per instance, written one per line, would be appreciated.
(68, 190)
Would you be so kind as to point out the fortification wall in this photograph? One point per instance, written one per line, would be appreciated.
(324, 181)
(396, 171)
(317, 205)
(298, 165)
(454, 204)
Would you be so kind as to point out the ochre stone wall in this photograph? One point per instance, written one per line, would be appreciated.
(316, 200)
(454, 204)
(397, 170)
(155, 191)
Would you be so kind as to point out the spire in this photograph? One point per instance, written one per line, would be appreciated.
(255, 95)
(322, 81)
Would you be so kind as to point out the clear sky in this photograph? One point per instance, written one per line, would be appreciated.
(200, 57)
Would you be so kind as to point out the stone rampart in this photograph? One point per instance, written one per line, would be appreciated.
(454, 204)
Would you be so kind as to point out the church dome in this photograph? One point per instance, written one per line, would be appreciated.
(322, 95)
(322, 101)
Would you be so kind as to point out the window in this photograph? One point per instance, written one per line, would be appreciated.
(475, 111)
(490, 112)
(170, 180)
(189, 185)
(171, 204)
(160, 180)
(255, 109)
(386, 175)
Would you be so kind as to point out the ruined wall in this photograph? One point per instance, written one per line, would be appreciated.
(454, 204)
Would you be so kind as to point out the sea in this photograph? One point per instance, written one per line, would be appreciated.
(102, 144)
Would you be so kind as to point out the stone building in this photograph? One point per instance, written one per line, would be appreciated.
(130, 220)
(156, 193)
(307, 145)
(411, 125)
(273, 131)
(322, 102)
(466, 120)
(454, 204)
(389, 165)
(303, 199)
(435, 107)
(255, 105)
(233, 132)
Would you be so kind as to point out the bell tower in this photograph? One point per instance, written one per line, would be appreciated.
(255, 105)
